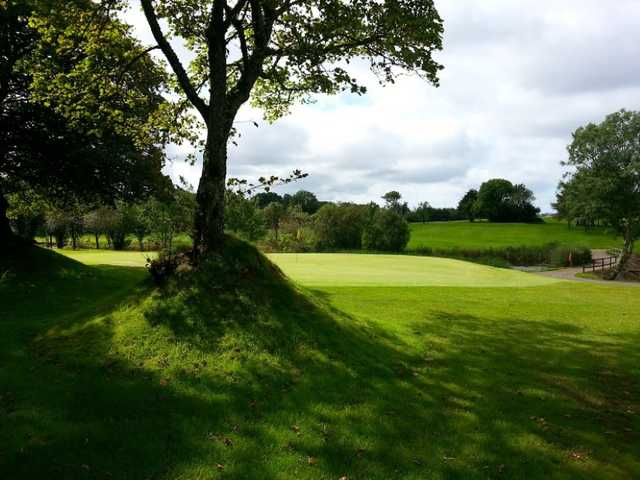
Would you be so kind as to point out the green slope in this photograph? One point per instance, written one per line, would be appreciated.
(447, 235)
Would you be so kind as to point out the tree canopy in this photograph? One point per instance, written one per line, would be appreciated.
(78, 117)
(501, 201)
(604, 177)
(277, 53)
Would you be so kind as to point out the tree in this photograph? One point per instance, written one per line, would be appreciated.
(604, 181)
(279, 52)
(467, 205)
(97, 221)
(273, 215)
(263, 199)
(307, 201)
(81, 115)
(501, 201)
(422, 211)
(387, 231)
(27, 211)
(392, 201)
(339, 227)
(243, 216)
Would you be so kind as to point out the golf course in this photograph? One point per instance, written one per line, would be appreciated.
(350, 366)
(464, 234)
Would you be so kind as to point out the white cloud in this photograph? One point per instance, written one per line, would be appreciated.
(519, 78)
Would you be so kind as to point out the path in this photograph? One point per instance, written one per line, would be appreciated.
(570, 273)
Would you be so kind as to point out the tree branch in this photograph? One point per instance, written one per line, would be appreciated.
(172, 58)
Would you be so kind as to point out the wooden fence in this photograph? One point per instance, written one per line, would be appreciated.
(601, 264)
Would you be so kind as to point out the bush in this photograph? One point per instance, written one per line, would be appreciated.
(570, 256)
(387, 231)
(339, 226)
(167, 263)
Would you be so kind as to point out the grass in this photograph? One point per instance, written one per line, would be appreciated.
(343, 269)
(102, 376)
(476, 235)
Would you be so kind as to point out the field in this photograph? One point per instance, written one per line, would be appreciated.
(448, 235)
(367, 368)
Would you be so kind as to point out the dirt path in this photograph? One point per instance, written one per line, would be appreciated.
(570, 273)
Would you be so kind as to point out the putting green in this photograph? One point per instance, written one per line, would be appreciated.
(353, 270)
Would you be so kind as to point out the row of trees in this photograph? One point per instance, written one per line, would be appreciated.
(498, 200)
(158, 219)
(333, 226)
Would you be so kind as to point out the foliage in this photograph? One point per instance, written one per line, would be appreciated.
(273, 215)
(422, 212)
(243, 217)
(392, 202)
(26, 212)
(570, 257)
(468, 205)
(604, 181)
(339, 226)
(386, 231)
(500, 201)
(75, 112)
(307, 201)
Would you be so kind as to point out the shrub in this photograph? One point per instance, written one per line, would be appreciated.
(387, 231)
(167, 264)
(339, 226)
(570, 256)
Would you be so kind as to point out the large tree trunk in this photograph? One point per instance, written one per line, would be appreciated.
(209, 220)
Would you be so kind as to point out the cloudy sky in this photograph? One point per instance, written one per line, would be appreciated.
(519, 77)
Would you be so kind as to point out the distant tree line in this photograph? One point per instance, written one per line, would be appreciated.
(156, 219)
(300, 222)
(498, 200)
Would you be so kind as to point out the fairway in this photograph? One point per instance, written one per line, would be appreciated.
(463, 234)
(352, 270)
(124, 258)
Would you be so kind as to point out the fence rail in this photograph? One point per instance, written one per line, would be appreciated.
(601, 263)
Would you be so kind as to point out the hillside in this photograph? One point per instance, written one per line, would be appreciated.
(463, 234)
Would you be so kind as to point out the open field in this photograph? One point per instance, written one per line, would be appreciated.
(101, 376)
(448, 235)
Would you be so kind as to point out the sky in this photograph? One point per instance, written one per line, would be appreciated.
(519, 78)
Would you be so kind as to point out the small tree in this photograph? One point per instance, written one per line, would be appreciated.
(339, 226)
(273, 215)
(467, 205)
(307, 201)
(387, 231)
(605, 178)
(422, 211)
(243, 216)
(57, 225)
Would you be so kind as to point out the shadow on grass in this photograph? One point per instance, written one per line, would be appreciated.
(253, 385)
